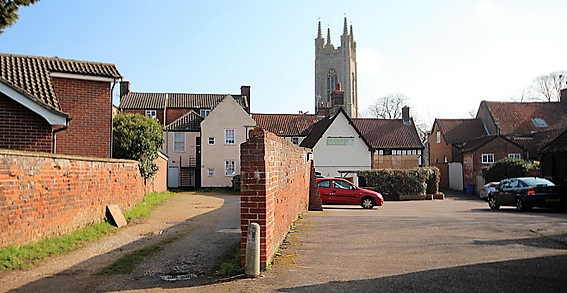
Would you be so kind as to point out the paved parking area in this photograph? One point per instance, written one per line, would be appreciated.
(451, 245)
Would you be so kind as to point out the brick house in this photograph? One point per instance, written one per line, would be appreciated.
(56, 105)
(293, 127)
(479, 153)
(445, 140)
(181, 116)
(524, 122)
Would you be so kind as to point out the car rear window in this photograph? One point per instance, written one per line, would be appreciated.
(537, 182)
(324, 183)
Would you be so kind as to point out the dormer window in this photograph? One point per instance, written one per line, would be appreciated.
(539, 122)
(152, 114)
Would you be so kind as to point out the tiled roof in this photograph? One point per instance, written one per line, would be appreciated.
(475, 143)
(457, 131)
(32, 74)
(143, 101)
(286, 124)
(316, 131)
(136, 100)
(388, 133)
(515, 118)
(199, 101)
(191, 121)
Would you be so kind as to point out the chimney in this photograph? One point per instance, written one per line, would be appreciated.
(124, 88)
(245, 92)
(323, 110)
(563, 96)
(405, 115)
(338, 96)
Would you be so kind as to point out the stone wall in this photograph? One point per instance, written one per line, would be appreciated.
(274, 189)
(43, 195)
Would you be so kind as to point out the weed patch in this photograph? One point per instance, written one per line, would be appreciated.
(143, 209)
(229, 263)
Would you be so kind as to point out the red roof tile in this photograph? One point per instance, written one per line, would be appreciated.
(516, 118)
(457, 131)
(388, 133)
(286, 124)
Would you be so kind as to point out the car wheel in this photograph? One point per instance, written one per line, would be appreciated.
(521, 206)
(367, 203)
(492, 203)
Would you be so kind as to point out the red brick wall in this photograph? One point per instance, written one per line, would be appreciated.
(275, 189)
(43, 195)
(89, 105)
(174, 114)
(438, 151)
(472, 161)
(159, 114)
(23, 129)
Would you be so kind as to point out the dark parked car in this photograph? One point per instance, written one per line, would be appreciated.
(341, 191)
(527, 192)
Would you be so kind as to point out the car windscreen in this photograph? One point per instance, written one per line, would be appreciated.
(537, 182)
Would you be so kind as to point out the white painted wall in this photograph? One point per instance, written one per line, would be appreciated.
(175, 157)
(226, 115)
(329, 159)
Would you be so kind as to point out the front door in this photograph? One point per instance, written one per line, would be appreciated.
(173, 177)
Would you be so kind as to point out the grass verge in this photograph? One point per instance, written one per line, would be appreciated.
(28, 255)
(229, 262)
(127, 263)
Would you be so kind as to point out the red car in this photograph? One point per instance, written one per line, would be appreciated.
(341, 191)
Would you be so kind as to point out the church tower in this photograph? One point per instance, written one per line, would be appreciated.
(334, 66)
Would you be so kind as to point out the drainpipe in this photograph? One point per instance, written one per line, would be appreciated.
(54, 132)
(116, 80)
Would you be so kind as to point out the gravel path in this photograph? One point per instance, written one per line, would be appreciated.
(207, 224)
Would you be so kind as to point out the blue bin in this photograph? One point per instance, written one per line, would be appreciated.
(470, 188)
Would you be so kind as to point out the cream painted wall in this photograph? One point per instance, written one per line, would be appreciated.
(226, 115)
(329, 159)
(176, 157)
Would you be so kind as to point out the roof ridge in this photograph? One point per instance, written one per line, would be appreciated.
(173, 93)
(55, 58)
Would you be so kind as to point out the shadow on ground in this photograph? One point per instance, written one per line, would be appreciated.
(74, 279)
(544, 274)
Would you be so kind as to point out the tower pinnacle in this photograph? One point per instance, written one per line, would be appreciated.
(329, 37)
(351, 34)
(319, 35)
(345, 28)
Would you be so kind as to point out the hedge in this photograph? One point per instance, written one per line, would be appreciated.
(506, 168)
(422, 180)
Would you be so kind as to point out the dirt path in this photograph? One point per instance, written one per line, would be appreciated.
(206, 225)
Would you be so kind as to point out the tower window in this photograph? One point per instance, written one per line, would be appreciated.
(332, 80)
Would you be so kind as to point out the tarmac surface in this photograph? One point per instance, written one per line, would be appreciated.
(452, 245)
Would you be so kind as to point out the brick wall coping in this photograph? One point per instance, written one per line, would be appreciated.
(59, 156)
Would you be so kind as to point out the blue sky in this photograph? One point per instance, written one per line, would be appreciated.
(446, 56)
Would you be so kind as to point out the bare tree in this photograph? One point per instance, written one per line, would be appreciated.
(524, 94)
(472, 113)
(388, 107)
(547, 87)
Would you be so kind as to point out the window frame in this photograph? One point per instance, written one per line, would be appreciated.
(227, 164)
(487, 161)
(175, 142)
(295, 140)
(515, 155)
(152, 114)
(209, 141)
(438, 139)
(205, 111)
(211, 172)
(227, 139)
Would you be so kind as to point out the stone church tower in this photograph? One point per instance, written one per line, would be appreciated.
(334, 66)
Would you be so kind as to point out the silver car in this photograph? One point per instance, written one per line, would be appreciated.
(487, 189)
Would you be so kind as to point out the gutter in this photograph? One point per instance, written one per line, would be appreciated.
(116, 80)
(54, 132)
